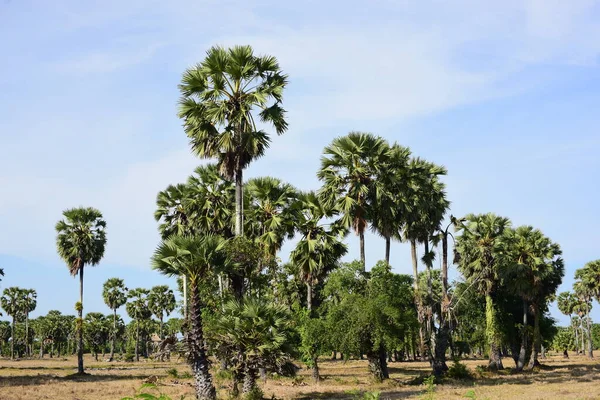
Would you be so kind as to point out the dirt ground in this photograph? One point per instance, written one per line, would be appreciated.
(574, 378)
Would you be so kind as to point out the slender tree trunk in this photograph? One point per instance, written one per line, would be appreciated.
(441, 343)
(535, 349)
(185, 299)
(315, 370)
(113, 336)
(239, 202)
(12, 339)
(361, 237)
(27, 349)
(161, 326)
(418, 305)
(493, 336)
(205, 389)
(388, 244)
(590, 349)
(524, 340)
(428, 308)
(41, 348)
(80, 325)
(309, 296)
(137, 339)
(576, 335)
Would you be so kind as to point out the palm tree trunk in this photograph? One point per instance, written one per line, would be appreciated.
(12, 339)
(590, 349)
(41, 348)
(418, 305)
(361, 237)
(524, 340)
(535, 350)
(114, 336)
(205, 389)
(309, 296)
(80, 324)
(161, 327)
(493, 335)
(239, 202)
(185, 299)
(576, 335)
(441, 343)
(413, 254)
(137, 340)
(249, 379)
(27, 348)
(388, 244)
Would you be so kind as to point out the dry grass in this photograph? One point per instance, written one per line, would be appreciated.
(576, 378)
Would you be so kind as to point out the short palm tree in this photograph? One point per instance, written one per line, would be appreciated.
(350, 172)
(137, 309)
(222, 99)
(161, 302)
(12, 303)
(566, 304)
(29, 305)
(195, 258)
(586, 288)
(478, 253)
(80, 241)
(114, 293)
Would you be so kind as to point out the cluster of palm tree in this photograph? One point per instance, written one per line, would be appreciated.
(18, 303)
(220, 237)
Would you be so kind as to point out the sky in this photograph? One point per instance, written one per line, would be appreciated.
(504, 94)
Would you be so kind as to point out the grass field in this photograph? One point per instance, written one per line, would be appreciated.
(575, 378)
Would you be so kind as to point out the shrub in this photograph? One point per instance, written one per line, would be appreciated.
(459, 371)
(172, 373)
(128, 357)
(255, 394)
(429, 384)
(143, 394)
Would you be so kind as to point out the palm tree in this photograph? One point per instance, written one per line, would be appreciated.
(161, 301)
(478, 253)
(12, 303)
(137, 309)
(29, 304)
(221, 99)
(80, 241)
(586, 288)
(195, 258)
(320, 246)
(256, 329)
(534, 272)
(390, 196)
(114, 293)
(271, 211)
(566, 304)
(350, 171)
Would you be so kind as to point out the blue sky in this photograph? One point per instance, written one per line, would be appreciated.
(504, 94)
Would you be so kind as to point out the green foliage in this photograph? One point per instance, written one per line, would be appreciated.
(145, 393)
(172, 373)
(255, 394)
(459, 371)
(429, 388)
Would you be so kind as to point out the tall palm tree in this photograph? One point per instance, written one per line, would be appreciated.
(29, 305)
(350, 171)
(12, 303)
(320, 246)
(137, 309)
(534, 272)
(161, 301)
(194, 257)
(114, 293)
(171, 211)
(80, 241)
(390, 196)
(586, 288)
(222, 97)
(478, 253)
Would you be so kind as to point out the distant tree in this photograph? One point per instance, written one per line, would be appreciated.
(161, 302)
(114, 293)
(81, 240)
(29, 305)
(12, 303)
(96, 331)
(137, 309)
(566, 304)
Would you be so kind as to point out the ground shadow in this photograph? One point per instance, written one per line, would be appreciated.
(42, 379)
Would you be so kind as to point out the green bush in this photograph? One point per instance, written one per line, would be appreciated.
(143, 394)
(255, 394)
(172, 373)
(459, 371)
(128, 357)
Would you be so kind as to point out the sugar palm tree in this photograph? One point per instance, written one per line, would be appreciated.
(534, 271)
(80, 241)
(478, 254)
(114, 293)
(29, 305)
(320, 246)
(222, 99)
(350, 171)
(171, 211)
(161, 301)
(195, 258)
(12, 304)
(271, 212)
(566, 304)
(587, 287)
(137, 309)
